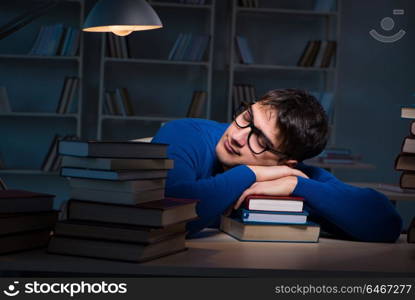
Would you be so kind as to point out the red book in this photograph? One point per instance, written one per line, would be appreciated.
(274, 203)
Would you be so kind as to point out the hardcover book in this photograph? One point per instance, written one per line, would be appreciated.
(133, 252)
(113, 149)
(274, 203)
(24, 240)
(117, 163)
(117, 232)
(14, 201)
(131, 186)
(20, 222)
(155, 214)
(113, 175)
(304, 233)
(257, 216)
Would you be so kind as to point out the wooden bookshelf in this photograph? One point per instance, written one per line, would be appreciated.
(177, 15)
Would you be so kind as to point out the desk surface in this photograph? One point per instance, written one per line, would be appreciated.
(218, 254)
(395, 196)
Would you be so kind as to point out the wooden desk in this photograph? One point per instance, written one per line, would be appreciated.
(220, 255)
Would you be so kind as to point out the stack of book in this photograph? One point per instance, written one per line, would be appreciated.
(272, 219)
(117, 46)
(118, 102)
(56, 39)
(189, 46)
(405, 161)
(318, 54)
(26, 220)
(117, 208)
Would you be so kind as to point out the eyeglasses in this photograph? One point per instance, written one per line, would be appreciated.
(257, 142)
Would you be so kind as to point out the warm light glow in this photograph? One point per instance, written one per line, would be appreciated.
(121, 30)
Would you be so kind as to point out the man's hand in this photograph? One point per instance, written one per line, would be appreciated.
(267, 173)
(278, 187)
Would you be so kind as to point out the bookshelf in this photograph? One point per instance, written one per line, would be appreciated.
(34, 84)
(160, 89)
(286, 27)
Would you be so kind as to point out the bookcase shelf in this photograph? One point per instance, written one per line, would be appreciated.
(138, 118)
(285, 11)
(271, 60)
(180, 5)
(243, 67)
(35, 85)
(27, 172)
(156, 61)
(159, 83)
(39, 115)
(42, 57)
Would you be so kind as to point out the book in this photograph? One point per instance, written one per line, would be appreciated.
(155, 214)
(274, 203)
(319, 58)
(24, 241)
(324, 5)
(410, 237)
(20, 222)
(126, 99)
(64, 96)
(176, 44)
(308, 232)
(117, 232)
(405, 162)
(116, 196)
(71, 96)
(113, 149)
(306, 54)
(196, 107)
(408, 112)
(117, 163)
(50, 156)
(133, 252)
(408, 145)
(393, 188)
(113, 175)
(412, 128)
(329, 54)
(4, 101)
(244, 50)
(14, 201)
(309, 60)
(131, 186)
(272, 217)
(407, 180)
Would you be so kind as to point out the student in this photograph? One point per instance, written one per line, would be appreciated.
(262, 151)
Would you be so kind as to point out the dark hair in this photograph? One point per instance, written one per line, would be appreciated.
(301, 120)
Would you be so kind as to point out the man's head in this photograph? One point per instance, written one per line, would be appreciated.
(282, 127)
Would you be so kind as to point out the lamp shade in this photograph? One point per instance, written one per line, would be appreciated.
(121, 17)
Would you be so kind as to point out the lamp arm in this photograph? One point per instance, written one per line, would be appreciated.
(31, 14)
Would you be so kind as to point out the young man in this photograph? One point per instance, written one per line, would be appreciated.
(262, 151)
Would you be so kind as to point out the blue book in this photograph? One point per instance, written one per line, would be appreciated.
(68, 36)
(175, 46)
(244, 50)
(272, 217)
(74, 44)
(326, 101)
(183, 46)
(56, 39)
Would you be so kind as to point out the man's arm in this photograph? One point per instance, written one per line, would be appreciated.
(362, 213)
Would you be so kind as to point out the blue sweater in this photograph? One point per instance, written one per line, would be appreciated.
(346, 211)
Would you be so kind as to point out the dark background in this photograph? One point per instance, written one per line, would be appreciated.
(373, 80)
